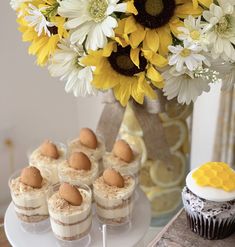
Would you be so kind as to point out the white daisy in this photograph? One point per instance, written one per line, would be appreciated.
(15, 4)
(185, 86)
(91, 20)
(186, 55)
(221, 29)
(193, 32)
(66, 64)
(38, 20)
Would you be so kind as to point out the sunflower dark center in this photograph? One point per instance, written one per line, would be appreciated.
(154, 13)
(122, 63)
(53, 30)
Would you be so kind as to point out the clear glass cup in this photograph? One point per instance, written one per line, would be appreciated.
(71, 224)
(30, 204)
(114, 205)
(45, 163)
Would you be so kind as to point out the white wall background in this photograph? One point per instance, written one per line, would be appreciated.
(33, 106)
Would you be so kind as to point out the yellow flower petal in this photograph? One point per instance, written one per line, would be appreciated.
(147, 54)
(137, 37)
(122, 92)
(120, 28)
(165, 40)
(182, 11)
(152, 40)
(37, 45)
(158, 60)
(145, 87)
(131, 8)
(206, 3)
(92, 59)
(121, 41)
(195, 3)
(155, 77)
(108, 49)
(134, 54)
(130, 25)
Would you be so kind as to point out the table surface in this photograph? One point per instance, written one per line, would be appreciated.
(178, 234)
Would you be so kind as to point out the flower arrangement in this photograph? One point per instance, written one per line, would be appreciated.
(132, 46)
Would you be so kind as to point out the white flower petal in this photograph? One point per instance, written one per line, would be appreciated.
(73, 23)
(80, 34)
(78, 78)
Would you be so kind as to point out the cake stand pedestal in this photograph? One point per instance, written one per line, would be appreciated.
(115, 238)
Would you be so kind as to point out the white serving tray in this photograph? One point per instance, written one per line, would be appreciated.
(115, 238)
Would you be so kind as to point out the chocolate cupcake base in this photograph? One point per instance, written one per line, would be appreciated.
(211, 229)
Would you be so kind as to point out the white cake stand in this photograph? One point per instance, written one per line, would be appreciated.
(115, 238)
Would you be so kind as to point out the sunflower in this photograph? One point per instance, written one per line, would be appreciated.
(125, 70)
(43, 44)
(154, 24)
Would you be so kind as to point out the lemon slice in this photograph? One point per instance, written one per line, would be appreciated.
(164, 201)
(145, 180)
(130, 123)
(165, 176)
(176, 133)
(138, 145)
(175, 110)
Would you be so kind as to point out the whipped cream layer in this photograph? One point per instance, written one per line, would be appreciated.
(29, 201)
(75, 177)
(207, 192)
(47, 165)
(68, 221)
(113, 202)
(96, 154)
(207, 208)
(111, 161)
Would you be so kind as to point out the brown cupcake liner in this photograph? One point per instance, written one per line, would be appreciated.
(210, 228)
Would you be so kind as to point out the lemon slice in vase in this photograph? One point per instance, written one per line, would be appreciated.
(176, 133)
(168, 176)
(164, 201)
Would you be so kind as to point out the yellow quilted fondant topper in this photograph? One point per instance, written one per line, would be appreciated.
(215, 174)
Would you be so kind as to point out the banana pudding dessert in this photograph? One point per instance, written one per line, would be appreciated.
(123, 159)
(88, 143)
(114, 197)
(79, 169)
(48, 157)
(70, 211)
(29, 195)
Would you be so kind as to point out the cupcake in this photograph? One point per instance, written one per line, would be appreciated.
(209, 200)
(48, 157)
(123, 159)
(70, 211)
(79, 169)
(29, 192)
(88, 143)
(114, 197)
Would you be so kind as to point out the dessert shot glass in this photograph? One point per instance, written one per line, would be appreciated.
(71, 224)
(43, 162)
(114, 205)
(30, 203)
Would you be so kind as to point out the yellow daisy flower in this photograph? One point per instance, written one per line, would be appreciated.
(125, 71)
(154, 24)
(43, 46)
